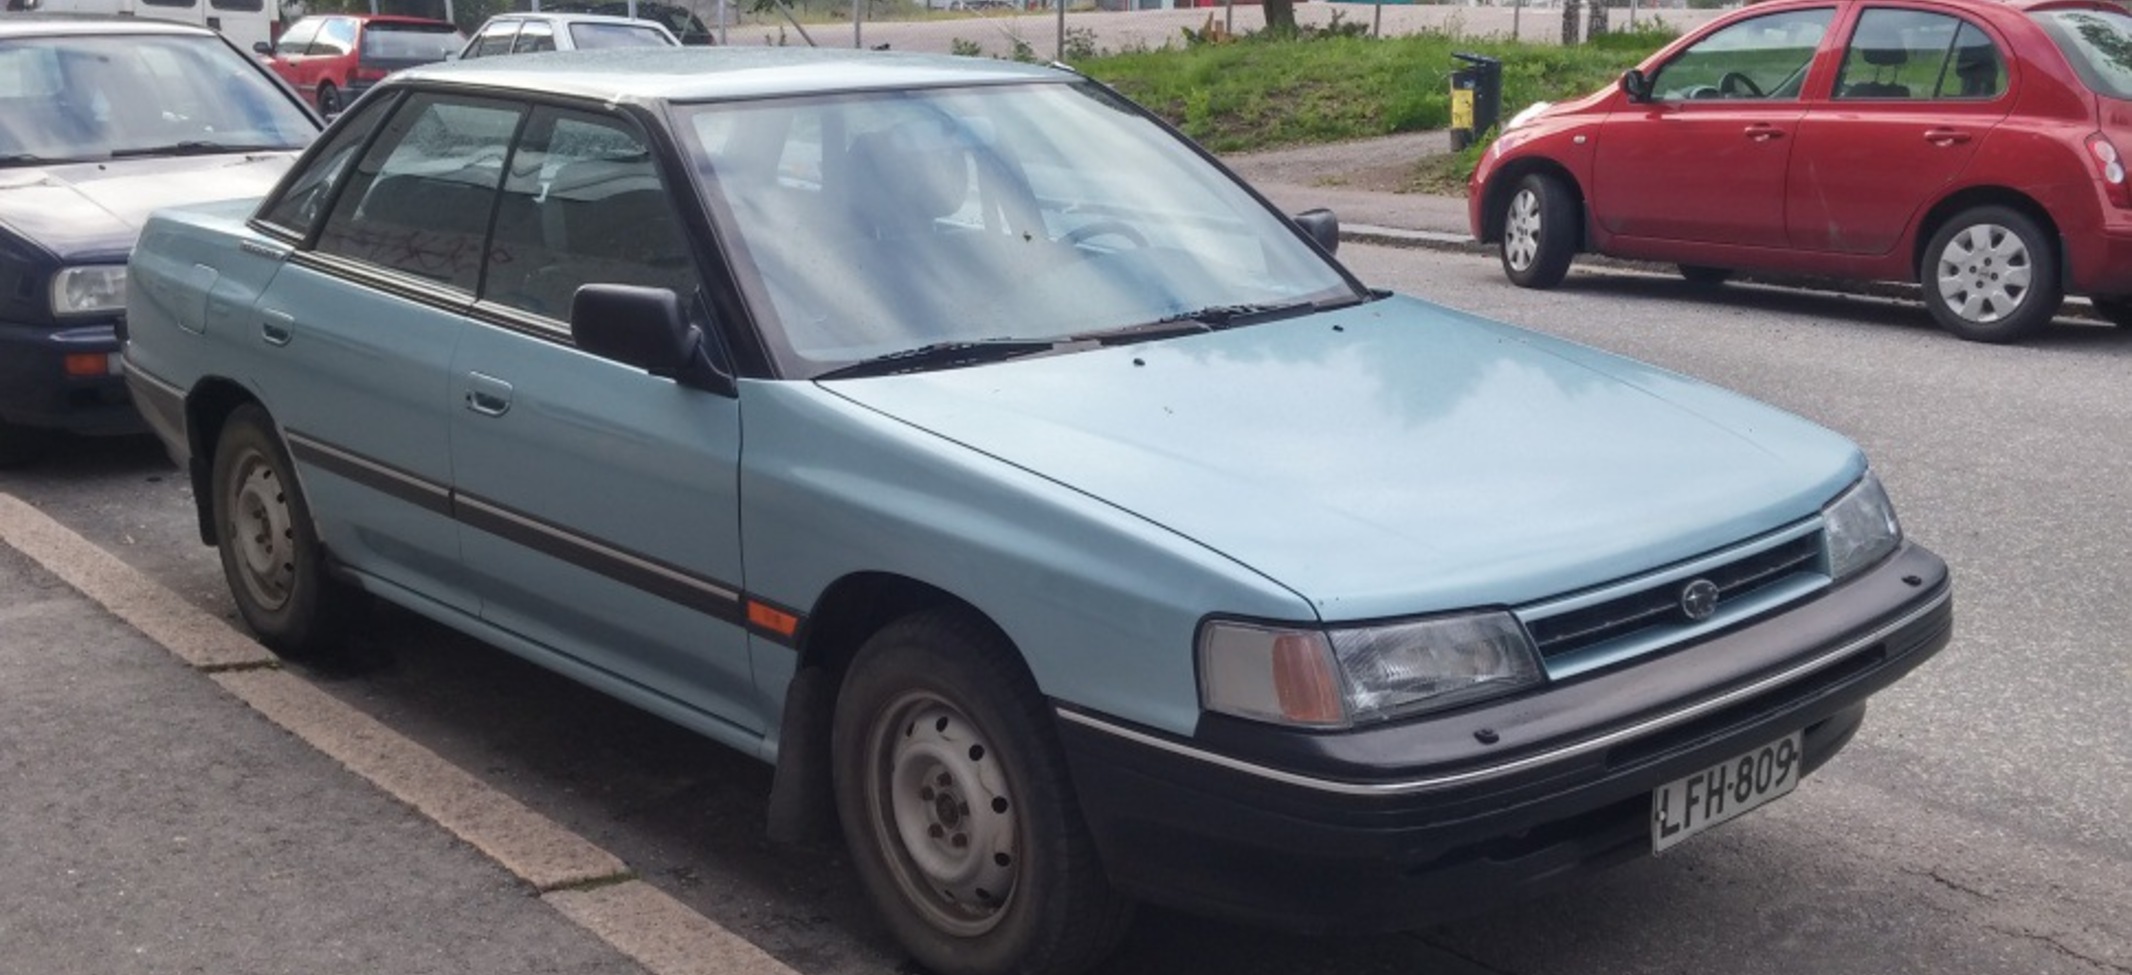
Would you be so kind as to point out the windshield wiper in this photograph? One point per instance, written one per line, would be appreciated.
(1230, 316)
(193, 147)
(941, 355)
(32, 159)
(1144, 332)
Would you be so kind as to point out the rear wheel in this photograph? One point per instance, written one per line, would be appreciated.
(1704, 275)
(955, 799)
(329, 99)
(1990, 275)
(270, 552)
(1539, 232)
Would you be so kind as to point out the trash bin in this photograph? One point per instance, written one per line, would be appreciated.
(1476, 98)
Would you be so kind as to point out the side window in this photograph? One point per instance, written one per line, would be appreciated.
(1914, 54)
(584, 204)
(419, 201)
(495, 39)
(535, 36)
(1761, 58)
(304, 198)
(297, 39)
(335, 37)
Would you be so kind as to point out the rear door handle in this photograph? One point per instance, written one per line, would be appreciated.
(1763, 132)
(487, 395)
(1946, 137)
(277, 327)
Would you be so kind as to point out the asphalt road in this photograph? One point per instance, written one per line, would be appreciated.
(1977, 825)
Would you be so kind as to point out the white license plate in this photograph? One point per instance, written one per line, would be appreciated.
(1730, 789)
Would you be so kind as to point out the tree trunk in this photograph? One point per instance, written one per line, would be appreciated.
(1280, 17)
(1595, 24)
(1569, 22)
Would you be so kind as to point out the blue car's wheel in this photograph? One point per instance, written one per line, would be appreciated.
(270, 552)
(955, 800)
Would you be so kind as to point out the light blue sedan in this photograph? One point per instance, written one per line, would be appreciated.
(1059, 518)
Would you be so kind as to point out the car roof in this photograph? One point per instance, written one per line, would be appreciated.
(567, 18)
(78, 25)
(383, 19)
(688, 74)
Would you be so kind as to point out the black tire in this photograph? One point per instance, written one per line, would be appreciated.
(2116, 311)
(955, 800)
(1704, 276)
(329, 99)
(270, 551)
(1991, 275)
(20, 445)
(1539, 232)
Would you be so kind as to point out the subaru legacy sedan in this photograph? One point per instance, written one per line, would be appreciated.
(1061, 520)
(1974, 147)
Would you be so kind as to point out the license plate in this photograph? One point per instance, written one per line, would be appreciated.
(1728, 790)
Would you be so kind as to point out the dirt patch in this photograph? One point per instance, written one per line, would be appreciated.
(1385, 165)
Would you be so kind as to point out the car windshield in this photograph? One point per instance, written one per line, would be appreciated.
(590, 36)
(2099, 45)
(74, 98)
(886, 222)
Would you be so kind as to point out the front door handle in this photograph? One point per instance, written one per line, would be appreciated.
(277, 327)
(1763, 132)
(1946, 137)
(487, 395)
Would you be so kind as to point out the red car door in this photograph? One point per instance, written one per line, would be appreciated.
(1917, 91)
(1704, 159)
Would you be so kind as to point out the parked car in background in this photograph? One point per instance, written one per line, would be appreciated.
(532, 33)
(333, 58)
(955, 436)
(244, 22)
(101, 121)
(1972, 146)
(677, 19)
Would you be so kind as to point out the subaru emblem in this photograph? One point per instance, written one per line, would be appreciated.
(1698, 600)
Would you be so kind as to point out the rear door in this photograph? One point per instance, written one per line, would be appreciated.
(1917, 92)
(1705, 159)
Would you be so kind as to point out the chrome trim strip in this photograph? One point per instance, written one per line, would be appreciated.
(1567, 751)
(601, 550)
(260, 248)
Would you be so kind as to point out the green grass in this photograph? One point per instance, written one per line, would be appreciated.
(1256, 93)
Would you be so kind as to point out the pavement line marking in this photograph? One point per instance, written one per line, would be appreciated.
(195, 637)
(658, 932)
(661, 933)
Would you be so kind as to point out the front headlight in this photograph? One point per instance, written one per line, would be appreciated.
(94, 289)
(1343, 677)
(1859, 528)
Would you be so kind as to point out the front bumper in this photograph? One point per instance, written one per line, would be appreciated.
(1394, 827)
(36, 391)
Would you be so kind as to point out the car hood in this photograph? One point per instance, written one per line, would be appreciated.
(95, 210)
(1395, 457)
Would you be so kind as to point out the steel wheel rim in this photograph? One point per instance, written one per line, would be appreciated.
(1521, 232)
(1984, 273)
(943, 813)
(261, 532)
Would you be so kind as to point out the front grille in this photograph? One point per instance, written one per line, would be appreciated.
(1659, 604)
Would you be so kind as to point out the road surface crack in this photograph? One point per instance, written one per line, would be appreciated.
(2062, 948)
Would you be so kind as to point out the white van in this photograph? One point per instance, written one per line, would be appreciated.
(244, 22)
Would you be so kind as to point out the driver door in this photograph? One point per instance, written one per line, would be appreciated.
(1705, 159)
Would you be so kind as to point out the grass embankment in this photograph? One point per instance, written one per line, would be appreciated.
(1256, 92)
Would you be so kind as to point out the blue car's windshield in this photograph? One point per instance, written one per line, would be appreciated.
(74, 98)
(879, 223)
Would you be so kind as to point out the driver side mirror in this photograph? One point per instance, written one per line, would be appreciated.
(646, 328)
(1636, 85)
(1323, 226)
(263, 48)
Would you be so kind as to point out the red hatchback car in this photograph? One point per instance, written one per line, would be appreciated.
(331, 58)
(1972, 146)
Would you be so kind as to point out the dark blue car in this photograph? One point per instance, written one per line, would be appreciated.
(103, 120)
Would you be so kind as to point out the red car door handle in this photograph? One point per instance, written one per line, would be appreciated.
(1763, 132)
(1945, 137)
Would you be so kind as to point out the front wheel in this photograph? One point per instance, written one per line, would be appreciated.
(329, 99)
(955, 800)
(1539, 232)
(270, 552)
(1990, 275)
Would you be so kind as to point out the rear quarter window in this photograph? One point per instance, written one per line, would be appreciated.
(2098, 43)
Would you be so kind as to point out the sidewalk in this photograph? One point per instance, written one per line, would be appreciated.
(1351, 179)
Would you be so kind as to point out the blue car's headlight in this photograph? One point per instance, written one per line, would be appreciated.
(1859, 528)
(1339, 678)
(89, 290)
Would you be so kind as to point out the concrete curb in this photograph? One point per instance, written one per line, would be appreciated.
(582, 882)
